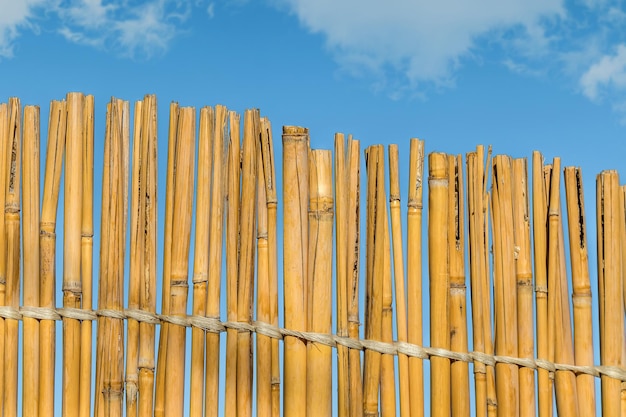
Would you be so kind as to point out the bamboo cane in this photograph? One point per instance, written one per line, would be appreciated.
(609, 287)
(232, 261)
(47, 244)
(295, 241)
(398, 274)
(245, 288)
(319, 357)
(505, 294)
(5, 163)
(12, 219)
(30, 242)
(159, 404)
(414, 274)
(439, 281)
(201, 258)
(459, 370)
(581, 297)
(523, 272)
(492, 401)
(540, 228)
(215, 261)
(181, 229)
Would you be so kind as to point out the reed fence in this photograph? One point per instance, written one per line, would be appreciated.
(489, 225)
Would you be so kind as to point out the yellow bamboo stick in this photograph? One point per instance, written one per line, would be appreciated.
(295, 241)
(319, 357)
(5, 163)
(47, 244)
(387, 371)
(581, 296)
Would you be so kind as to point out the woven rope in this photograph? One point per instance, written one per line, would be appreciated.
(214, 325)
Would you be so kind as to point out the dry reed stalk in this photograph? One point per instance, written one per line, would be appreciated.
(523, 272)
(610, 287)
(181, 230)
(540, 238)
(581, 296)
(72, 286)
(505, 294)
(295, 241)
(5, 164)
(353, 191)
(30, 242)
(86, 258)
(459, 370)
(110, 341)
(212, 340)
(398, 274)
(232, 261)
(387, 366)
(12, 219)
(47, 245)
(245, 290)
(319, 356)
(147, 283)
(341, 226)
(414, 274)
(439, 278)
(565, 381)
(201, 258)
(492, 401)
(375, 264)
(159, 404)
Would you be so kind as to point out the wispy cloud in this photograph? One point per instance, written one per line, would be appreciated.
(15, 16)
(609, 71)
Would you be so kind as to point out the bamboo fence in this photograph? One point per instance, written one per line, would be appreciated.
(339, 329)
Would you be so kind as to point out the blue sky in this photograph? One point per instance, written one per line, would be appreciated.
(517, 74)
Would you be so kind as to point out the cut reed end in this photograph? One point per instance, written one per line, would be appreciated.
(295, 130)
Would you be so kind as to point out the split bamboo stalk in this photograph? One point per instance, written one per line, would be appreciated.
(398, 274)
(215, 262)
(159, 404)
(232, 261)
(245, 290)
(565, 381)
(295, 241)
(30, 242)
(72, 286)
(540, 238)
(374, 275)
(459, 370)
(181, 230)
(110, 340)
(353, 178)
(492, 400)
(439, 278)
(581, 297)
(609, 287)
(523, 271)
(86, 259)
(414, 274)
(201, 258)
(147, 294)
(47, 244)
(505, 294)
(5, 163)
(12, 219)
(319, 356)
(341, 226)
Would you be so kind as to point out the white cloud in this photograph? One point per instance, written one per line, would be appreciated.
(608, 71)
(422, 40)
(14, 15)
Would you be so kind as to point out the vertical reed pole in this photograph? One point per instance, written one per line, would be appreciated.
(215, 262)
(399, 280)
(181, 231)
(30, 242)
(319, 357)
(438, 265)
(581, 297)
(523, 271)
(47, 244)
(414, 274)
(5, 163)
(610, 287)
(295, 241)
(459, 370)
(72, 286)
(387, 366)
